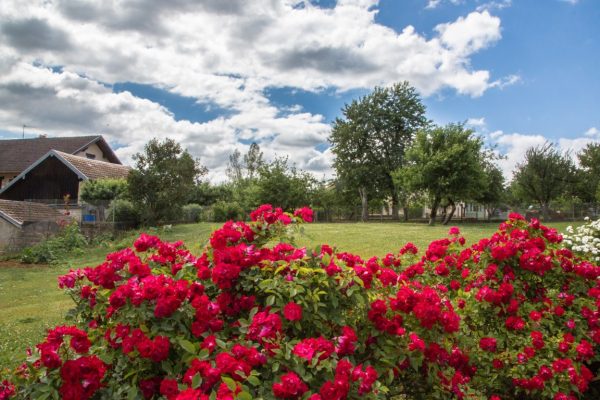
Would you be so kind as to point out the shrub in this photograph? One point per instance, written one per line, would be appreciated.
(227, 211)
(513, 316)
(192, 212)
(67, 241)
(585, 240)
(124, 214)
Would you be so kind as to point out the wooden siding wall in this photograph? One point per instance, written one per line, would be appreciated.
(49, 180)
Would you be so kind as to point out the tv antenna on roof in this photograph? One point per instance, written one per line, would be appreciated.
(26, 126)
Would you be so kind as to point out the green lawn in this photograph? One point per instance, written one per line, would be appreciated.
(30, 301)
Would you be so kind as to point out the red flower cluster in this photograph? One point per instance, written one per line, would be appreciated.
(81, 378)
(290, 387)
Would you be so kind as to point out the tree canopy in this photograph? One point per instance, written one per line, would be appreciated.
(544, 175)
(446, 163)
(370, 140)
(162, 181)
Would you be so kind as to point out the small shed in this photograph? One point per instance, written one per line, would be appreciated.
(25, 223)
(57, 174)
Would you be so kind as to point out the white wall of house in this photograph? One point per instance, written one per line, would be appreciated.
(93, 150)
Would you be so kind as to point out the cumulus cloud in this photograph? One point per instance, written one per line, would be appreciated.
(513, 147)
(222, 52)
(476, 122)
(592, 132)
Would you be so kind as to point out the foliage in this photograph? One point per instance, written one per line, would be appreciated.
(370, 141)
(513, 316)
(589, 173)
(227, 210)
(55, 249)
(192, 212)
(206, 194)
(585, 240)
(544, 175)
(284, 186)
(445, 163)
(492, 192)
(102, 191)
(124, 214)
(162, 180)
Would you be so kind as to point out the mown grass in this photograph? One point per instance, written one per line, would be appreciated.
(30, 301)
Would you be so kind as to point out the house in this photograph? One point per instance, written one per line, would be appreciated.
(18, 154)
(56, 175)
(23, 224)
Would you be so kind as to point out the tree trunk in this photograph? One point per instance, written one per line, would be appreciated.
(395, 215)
(405, 212)
(451, 214)
(545, 214)
(365, 204)
(433, 213)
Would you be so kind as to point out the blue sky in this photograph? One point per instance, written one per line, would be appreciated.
(217, 75)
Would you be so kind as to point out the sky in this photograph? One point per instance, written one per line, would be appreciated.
(217, 75)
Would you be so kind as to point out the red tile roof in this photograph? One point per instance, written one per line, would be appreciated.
(94, 169)
(18, 154)
(20, 212)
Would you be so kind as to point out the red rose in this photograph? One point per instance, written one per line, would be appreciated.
(290, 387)
(292, 311)
(488, 344)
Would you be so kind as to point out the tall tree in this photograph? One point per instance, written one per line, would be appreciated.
(446, 163)
(589, 173)
(284, 186)
(544, 175)
(253, 160)
(235, 167)
(493, 188)
(370, 140)
(163, 178)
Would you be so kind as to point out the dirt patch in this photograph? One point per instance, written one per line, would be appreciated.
(18, 264)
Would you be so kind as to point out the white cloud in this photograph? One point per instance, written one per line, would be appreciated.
(592, 132)
(514, 146)
(573, 2)
(476, 122)
(495, 5)
(224, 52)
(431, 4)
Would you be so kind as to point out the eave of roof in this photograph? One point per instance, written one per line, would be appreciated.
(10, 220)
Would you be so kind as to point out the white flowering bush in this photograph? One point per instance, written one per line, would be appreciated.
(585, 239)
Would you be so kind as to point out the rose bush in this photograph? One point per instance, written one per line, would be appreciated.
(513, 316)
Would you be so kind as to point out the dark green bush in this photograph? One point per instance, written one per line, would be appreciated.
(225, 210)
(192, 212)
(124, 214)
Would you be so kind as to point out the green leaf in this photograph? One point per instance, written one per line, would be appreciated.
(253, 380)
(196, 381)
(187, 346)
(244, 396)
(230, 383)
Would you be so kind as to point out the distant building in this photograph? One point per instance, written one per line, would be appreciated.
(56, 175)
(18, 154)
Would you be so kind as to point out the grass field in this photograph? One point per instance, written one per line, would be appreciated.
(30, 301)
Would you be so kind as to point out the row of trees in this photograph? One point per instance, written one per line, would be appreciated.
(386, 152)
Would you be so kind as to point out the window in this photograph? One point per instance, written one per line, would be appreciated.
(90, 156)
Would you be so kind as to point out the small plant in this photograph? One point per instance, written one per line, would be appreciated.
(68, 241)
